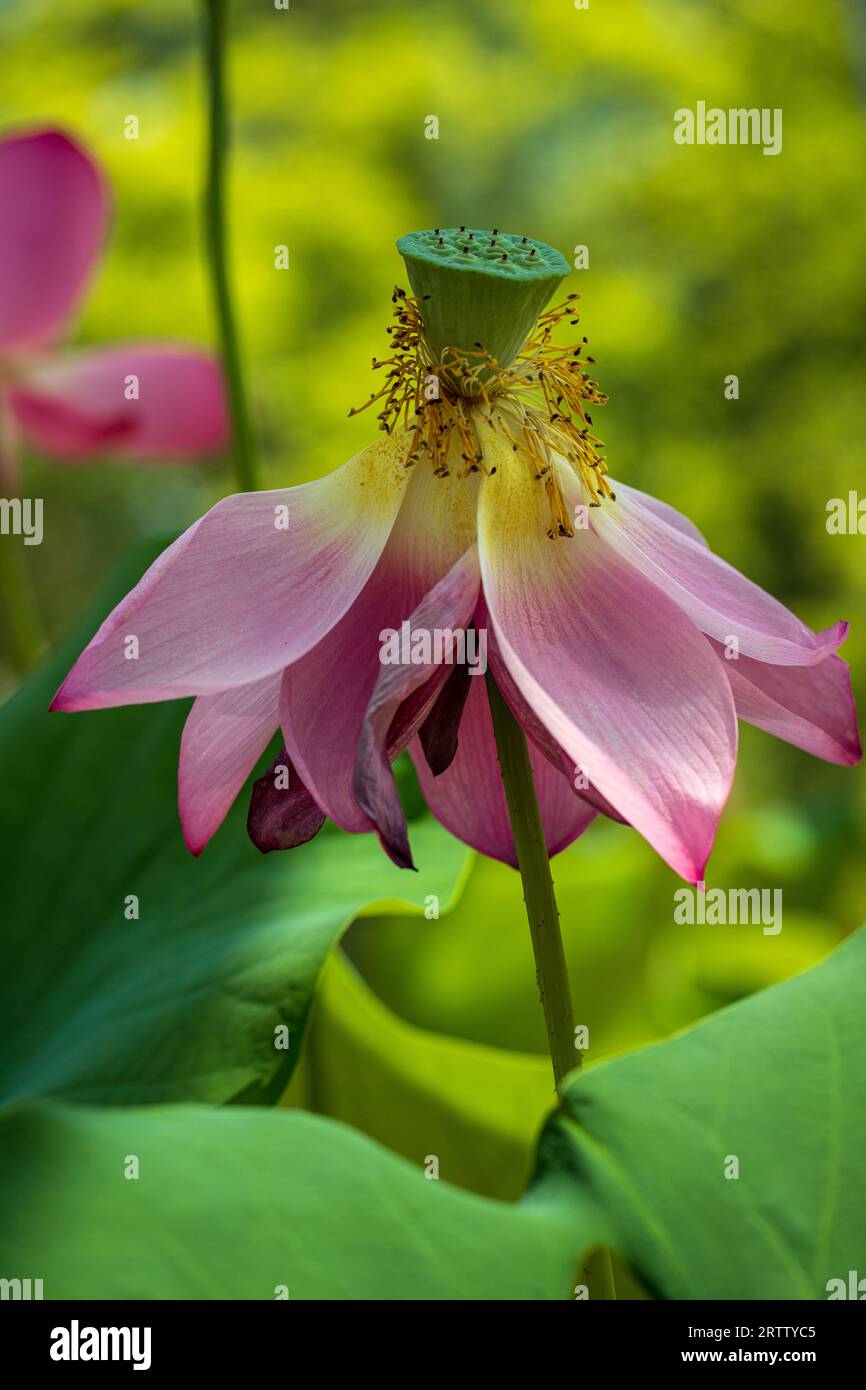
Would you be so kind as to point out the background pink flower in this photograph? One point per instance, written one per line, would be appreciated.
(53, 215)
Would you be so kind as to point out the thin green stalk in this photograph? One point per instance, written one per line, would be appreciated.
(243, 450)
(24, 625)
(26, 635)
(538, 895)
(543, 916)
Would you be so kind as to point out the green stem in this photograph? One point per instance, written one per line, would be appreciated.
(25, 628)
(538, 894)
(216, 237)
(27, 639)
(599, 1268)
(543, 916)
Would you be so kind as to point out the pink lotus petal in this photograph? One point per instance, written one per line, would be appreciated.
(809, 706)
(58, 427)
(326, 694)
(448, 606)
(282, 813)
(77, 406)
(664, 512)
(53, 206)
(543, 739)
(223, 738)
(468, 799)
(614, 670)
(236, 597)
(718, 599)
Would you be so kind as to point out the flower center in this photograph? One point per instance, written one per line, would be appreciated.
(480, 290)
(444, 376)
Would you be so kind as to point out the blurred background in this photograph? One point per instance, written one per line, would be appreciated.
(703, 262)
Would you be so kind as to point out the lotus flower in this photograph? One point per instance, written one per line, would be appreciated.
(623, 645)
(136, 401)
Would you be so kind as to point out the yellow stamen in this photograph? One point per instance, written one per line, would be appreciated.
(537, 403)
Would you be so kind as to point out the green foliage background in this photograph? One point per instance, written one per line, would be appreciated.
(704, 262)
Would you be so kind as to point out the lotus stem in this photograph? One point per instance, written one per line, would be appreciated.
(542, 913)
(538, 893)
(243, 444)
(26, 636)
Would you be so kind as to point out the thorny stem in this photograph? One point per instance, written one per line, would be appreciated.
(243, 450)
(543, 917)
